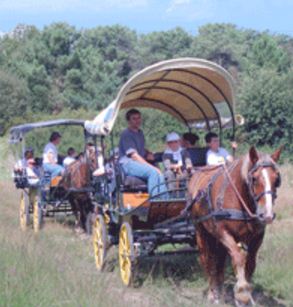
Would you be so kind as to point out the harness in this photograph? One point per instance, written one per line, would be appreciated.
(257, 197)
(220, 213)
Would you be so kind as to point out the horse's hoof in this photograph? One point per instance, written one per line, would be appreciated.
(214, 297)
(243, 296)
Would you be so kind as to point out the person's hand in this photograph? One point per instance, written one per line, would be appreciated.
(234, 145)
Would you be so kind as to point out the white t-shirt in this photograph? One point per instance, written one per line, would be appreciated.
(32, 176)
(177, 156)
(50, 148)
(217, 158)
(68, 160)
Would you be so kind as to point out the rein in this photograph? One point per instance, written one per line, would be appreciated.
(247, 209)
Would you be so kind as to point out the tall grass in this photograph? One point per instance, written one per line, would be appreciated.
(56, 267)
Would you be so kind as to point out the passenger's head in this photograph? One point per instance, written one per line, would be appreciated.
(173, 141)
(212, 140)
(71, 152)
(28, 153)
(189, 139)
(133, 118)
(55, 137)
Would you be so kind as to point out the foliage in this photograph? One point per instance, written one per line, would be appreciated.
(60, 68)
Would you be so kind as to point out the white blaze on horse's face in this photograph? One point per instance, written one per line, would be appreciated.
(268, 206)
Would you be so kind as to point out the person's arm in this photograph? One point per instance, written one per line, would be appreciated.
(228, 157)
(187, 160)
(51, 157)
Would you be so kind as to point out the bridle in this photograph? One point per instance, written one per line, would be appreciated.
(255, 197)
(251, 183)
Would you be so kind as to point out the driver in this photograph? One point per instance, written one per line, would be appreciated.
(50, 156)
(134, 156)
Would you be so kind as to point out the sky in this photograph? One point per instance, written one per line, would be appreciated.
(146, 16)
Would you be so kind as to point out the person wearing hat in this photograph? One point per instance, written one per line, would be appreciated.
(176, 160)
(50, 156)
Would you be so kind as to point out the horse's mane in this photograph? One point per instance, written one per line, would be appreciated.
(247, 165)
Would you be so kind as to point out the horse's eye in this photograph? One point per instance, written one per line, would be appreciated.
(254, 180)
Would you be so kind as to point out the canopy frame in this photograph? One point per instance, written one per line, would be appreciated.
(200, 83)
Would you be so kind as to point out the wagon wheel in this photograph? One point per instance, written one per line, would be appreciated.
(24, 214)
(100, 241)
(127, 261)
(37, 212)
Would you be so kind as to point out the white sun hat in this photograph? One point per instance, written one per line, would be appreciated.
(172, 137)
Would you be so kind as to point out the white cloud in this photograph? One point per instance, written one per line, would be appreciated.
(62, 5)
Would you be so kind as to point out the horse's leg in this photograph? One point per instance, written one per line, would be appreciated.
(74, 208)
(83, 204)
(253, 248)
(212, 257)
(242, 289)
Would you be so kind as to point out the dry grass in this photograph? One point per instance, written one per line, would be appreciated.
(56, 267)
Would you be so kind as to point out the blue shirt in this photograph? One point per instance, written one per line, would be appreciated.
(131, 142)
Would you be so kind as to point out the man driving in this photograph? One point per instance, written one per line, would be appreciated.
(134, 156)
(50, 156)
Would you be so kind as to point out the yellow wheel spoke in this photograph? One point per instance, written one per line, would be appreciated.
(125, 254)
(99, 241)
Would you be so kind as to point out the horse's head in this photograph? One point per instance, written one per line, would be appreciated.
(263, 180)
(91, 157)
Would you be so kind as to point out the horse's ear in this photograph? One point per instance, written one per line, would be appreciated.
(276, 155)
(253, 155)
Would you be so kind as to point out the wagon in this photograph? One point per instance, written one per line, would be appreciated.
(199, 94)
(45, 197)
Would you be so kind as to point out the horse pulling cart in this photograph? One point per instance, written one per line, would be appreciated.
(195, 92)
(41, 197)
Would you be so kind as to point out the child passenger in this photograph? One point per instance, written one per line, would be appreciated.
(71, 157)
(176, 160)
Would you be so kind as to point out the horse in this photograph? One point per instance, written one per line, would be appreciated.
(76, 181)
(231, 206)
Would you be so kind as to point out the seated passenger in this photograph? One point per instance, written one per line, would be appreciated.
(22, 163)
(32, 172)
(176, 160)
(134, 156)
(216, 155)
(71, 157)
(197, 154)
(50, 156)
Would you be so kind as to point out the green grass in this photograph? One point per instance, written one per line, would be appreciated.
(56, 267)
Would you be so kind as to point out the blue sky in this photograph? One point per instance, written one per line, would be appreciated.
(150, 15)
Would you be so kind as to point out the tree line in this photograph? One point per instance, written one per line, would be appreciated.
(62, 70)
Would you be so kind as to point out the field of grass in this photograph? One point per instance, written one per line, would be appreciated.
(56, 267)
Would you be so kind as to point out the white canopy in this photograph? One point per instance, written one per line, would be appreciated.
(187, 88)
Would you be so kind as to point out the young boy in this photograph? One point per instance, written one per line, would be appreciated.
(71, 157)
(217, 155)
(176, 160)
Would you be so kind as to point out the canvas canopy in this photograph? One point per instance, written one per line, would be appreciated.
(16, 133)
(189, 89)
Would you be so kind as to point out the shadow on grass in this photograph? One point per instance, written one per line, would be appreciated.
(174, 266)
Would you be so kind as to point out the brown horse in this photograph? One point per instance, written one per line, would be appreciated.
(231, 206)
(76, 181)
